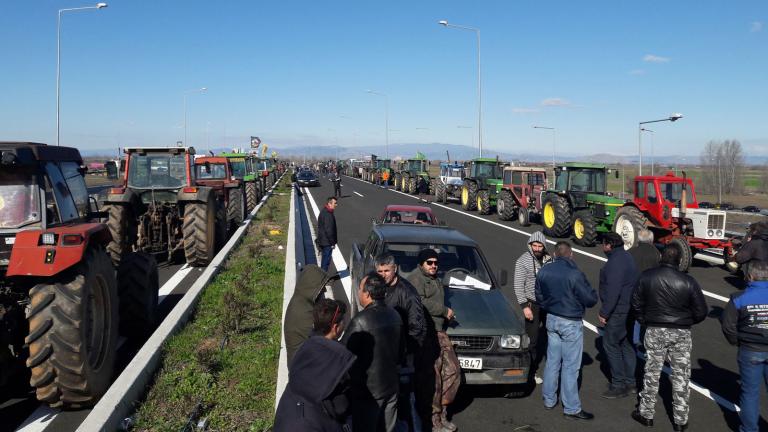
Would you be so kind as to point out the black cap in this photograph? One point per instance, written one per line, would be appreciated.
(426, 254)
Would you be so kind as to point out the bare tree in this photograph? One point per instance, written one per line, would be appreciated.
(723, 167)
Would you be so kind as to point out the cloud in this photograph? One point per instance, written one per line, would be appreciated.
(637, 72)
(525, 110)
(555, 102)
(650, 58)
(756, 27)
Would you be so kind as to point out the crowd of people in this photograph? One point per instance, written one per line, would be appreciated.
(361, 377)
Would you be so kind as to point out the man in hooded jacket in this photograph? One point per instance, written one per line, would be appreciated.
(756, 246)
(298, 315)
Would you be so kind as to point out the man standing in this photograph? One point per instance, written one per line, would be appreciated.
(564, 292)
(336, 180)
(326, 232)
(745, 323)
(422, 185)
(526, 269)
(374, 337)
(645, 254)
(447, 369)
(617, 281)
(756, 246)
(315, 397)
(668, 302)
(385, 178)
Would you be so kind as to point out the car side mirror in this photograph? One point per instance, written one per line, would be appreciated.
(503, 277)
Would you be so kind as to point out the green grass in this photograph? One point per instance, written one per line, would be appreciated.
(224, 362)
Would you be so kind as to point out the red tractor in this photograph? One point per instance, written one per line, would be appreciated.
(62, 303)
(216, 173)
(667, 206)
(521, 194)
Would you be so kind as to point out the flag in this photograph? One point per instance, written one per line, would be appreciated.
(255, 141)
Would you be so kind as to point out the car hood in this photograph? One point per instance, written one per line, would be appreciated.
(482, 312)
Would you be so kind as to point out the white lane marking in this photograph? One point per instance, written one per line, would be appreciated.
(576, 250)
(329, 292)
(173, 282)
(38, 420)
(357, 193)
(289, 285)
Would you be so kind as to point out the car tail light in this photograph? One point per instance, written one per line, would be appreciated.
(48, 239)
(117, 191)
(190, 190)
(71, 239)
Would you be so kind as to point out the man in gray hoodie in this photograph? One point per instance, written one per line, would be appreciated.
(526, 268)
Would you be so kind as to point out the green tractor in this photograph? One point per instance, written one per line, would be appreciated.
(579, 204)
(410, 170)
(244, 169)
(482, 184)
(382, 166)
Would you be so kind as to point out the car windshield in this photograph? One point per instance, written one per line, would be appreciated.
(19, 199)
(238, 167)
(407, 217)
(458, 266)
(217, 171)
(674, 192)
(583, 180)
(487, 170)
(306, 175)
(157, 171)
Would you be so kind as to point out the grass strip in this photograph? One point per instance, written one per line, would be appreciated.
(223, 365)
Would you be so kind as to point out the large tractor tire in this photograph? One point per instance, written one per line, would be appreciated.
(686, 254)
(556, 216)
(505, 205)
(440, 192)
(629, 221)
(137, 286)
(251, 196)
(123, 229)
(73, 331)
(584, 229)
(397, 181)
(469, 195)
(235, 208)
(412, 185)
(200, 232)
(524, 217)
(222, 226)
(484, 202)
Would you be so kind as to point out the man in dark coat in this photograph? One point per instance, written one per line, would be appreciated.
(374, 337)
(315, 398)
(756, 246)
(298, 315)
(645, 254)
(326, 232)
(617, 281)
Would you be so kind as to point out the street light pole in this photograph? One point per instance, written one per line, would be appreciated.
(445, 23)
(386, 117)
(672, 118)
(58, 63)
(185, 92)
(653, 159)
(553, 141)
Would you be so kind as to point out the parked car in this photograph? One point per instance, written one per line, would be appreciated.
(488, 333)
(706, 205)
(724, 206)
(307, 178)
(408, 214)
(751, 209)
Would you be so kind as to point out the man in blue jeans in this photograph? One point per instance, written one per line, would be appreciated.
(326, 232)
(564, 292)
(745, 323)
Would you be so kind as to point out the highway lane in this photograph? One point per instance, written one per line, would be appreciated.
(713, 360)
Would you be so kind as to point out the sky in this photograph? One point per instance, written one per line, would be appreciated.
(295, 73)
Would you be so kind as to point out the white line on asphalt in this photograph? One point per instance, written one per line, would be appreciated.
(329, 292)
(289, 284)
(357, 193)
(173, 282)
(38, 420)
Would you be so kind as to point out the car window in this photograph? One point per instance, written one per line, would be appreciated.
(450, 257)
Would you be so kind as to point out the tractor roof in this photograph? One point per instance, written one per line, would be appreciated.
(525, 169)
(234, 155)
(210, 159)
(583, 165)
(25, 153)
(485, 160)
(453, 164)
(174, 150)
(669, 177)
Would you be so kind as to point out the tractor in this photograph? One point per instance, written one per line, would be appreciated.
(579, 203)
(481, 184)
(667, 206)
(216, 172)
(244, 170)
(266, 171)
(448, 185)
(521, 194)
(62, 303)
(406, 179)
(159, 209)
(382, 166)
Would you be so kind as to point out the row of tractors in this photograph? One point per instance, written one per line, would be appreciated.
(403, 175)
(74, 278)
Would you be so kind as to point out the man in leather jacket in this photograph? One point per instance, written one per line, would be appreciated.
(668, 302)
(374, 337)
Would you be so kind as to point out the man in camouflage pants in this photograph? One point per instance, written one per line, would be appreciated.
(668, 302)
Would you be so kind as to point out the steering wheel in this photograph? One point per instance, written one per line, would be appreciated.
(454, 270)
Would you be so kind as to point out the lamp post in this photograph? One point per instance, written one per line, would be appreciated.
(553, 141)
(446, 24)
(672, 118)
(185, 93)
(386, 117)
(58, 62)
(653, 158)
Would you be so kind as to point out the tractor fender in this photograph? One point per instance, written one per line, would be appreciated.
(201, 194)
(127, 196)
(31, 258)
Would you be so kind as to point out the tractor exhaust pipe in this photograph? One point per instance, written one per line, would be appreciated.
(684, 196)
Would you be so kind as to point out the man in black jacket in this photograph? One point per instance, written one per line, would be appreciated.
(756, 246)
(315, 398)
(374, 337)
(668, 302)
(645, 253)
(326, 232)
(617, 281)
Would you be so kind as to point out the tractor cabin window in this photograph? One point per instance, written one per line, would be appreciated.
(76, 184)
(517, 177)
(640, 188)
(536, 179)
(651, 190)
(67, 210)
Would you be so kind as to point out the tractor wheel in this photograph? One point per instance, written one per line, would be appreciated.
(200, 232)
(235, 208)
(397, 181)
(222, 225)
(505, 205)
(412, 185)
(73, 330)
(123, 229)
(432, 186)
(629, 221)
(686, 254)
(484, 202)
(469, 195)
(251, 196)
(584, 230)
(440, 193)
(524, 217)
(557, 216)
(137, 286)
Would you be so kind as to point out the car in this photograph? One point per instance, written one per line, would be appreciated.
(706, 205)
(307, 178)
(751, 209)
(408, 214)
(764, 212)
(488, 333)
(724, 206)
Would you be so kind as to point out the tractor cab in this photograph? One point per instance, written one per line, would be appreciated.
(416, 166)
(485, 168)
(581, 177)
(159, 167)
(452, 173)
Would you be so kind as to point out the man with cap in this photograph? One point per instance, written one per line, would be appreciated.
(447, 370)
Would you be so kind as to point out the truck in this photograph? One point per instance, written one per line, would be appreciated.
(521, 194)
(481, 184)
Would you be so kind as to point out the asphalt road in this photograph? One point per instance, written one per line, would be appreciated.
(714, 366)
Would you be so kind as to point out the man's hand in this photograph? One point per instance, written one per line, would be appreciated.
(528, 313)
(603, 321)
(450, 314)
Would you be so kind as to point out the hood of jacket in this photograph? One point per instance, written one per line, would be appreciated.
(538, 236)
(311, 281)
(318, 367)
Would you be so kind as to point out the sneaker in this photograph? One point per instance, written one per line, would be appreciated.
(581, 415)
(615, 393)
(538, 379)
(642, 420)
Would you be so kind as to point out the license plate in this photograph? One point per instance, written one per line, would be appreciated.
(10, 240)
(470, 363)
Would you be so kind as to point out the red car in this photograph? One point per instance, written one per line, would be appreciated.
(408, 214)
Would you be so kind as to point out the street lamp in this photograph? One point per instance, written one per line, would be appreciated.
(445, 23)
(653, 158)
(672, 118)
(553, 141)
(58, 62)
(185, 93)
(386, 117)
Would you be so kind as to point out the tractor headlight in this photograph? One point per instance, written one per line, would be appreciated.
(510, 341)
(710, 233)
(719, 233)
(48, 239)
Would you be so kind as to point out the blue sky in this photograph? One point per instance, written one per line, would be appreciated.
(295, 73)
